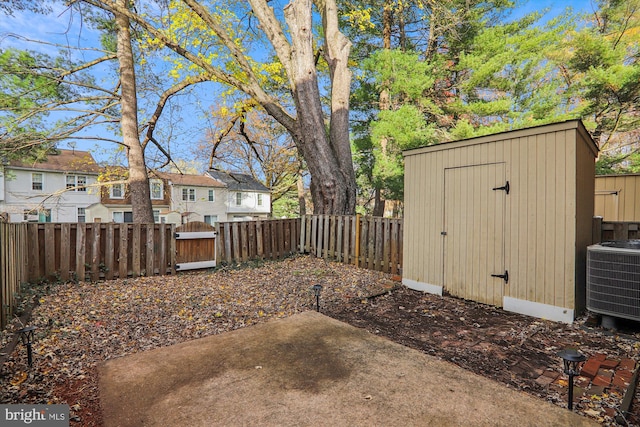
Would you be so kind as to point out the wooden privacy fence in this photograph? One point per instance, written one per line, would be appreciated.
(35, 252)
(270, 239)
(13, 267)
(369, 242)
(97, 251)
(614, 230)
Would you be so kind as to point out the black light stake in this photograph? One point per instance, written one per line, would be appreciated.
(316, 290)
(26, 336)
(572, 360)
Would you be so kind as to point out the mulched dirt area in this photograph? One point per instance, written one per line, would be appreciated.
(81, 325)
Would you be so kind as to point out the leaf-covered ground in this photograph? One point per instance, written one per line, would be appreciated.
(81, 325)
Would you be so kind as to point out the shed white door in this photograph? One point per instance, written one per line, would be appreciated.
(473, 232)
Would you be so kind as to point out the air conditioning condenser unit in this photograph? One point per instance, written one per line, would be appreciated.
(613, 279)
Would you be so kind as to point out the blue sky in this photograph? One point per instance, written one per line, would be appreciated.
(556, 6)
(63, 27)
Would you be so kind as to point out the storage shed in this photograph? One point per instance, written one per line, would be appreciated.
(503, 219)
(617, 197)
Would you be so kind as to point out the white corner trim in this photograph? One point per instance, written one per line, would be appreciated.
(421, 286)
(537, 309)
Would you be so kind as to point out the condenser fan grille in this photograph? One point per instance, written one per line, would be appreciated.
(613, 281)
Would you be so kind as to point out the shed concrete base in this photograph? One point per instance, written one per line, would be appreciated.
(536, 309)
(421, 286)
(308, 370)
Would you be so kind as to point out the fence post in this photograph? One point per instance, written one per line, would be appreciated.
(620, 230)
(596, 236)
(357, 241)
(303, 223)
(80, 252)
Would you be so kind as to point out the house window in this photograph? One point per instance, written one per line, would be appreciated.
(116, 192)
(36, 181)
(44, 215)
(156, 216)
(189, 194)
(30, 215)
(123, 217)
(78, 182)
(238, 199)
(156, 190)
(81, 182)
(211, 219)
(212, 196)
(259, 199)
(82, 216)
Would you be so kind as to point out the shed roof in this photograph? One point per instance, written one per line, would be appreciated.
(516, 133)
(63, 161)
(238, 181)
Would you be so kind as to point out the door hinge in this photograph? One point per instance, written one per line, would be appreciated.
(504, 276)
(505, 188)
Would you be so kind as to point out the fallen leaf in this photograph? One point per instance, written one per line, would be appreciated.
(19, 378)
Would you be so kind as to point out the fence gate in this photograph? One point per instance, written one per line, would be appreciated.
(195, 246)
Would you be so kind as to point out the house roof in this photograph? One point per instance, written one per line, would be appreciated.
(63, 161)
(191, 180)
(238, 181)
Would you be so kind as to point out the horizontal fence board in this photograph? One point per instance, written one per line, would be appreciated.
(615, 230)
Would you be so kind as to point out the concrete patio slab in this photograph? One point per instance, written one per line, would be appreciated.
(308, 369)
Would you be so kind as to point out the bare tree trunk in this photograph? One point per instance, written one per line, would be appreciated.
(138, 178)
(378, 203)
(328, 157)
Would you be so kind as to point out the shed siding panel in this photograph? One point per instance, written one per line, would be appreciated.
(584, 207)
(538, 287)
(519, 202)
(424, 206)
(550, 215)
(570, 224)
(508, 156)
(432, 270)
(562, 181)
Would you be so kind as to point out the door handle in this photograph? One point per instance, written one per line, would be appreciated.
(504, 276)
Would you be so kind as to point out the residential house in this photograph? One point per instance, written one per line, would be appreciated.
(57, 190)
(246, 198)
(181, 198)
(195, 198)
(114, 204)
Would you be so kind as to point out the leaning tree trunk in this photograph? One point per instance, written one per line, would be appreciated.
(328, 156)
(138, 178)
